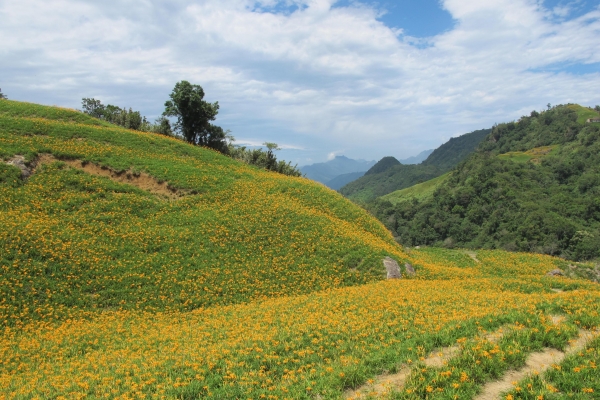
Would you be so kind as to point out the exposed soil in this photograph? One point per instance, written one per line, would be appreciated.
(536, 363)
(141, 180)
(473, 255)
(386, 383)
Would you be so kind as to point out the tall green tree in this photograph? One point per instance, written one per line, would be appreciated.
(2, 96)
(194, 116)
(93, 107)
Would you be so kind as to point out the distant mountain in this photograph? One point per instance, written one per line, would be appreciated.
(418, 159)
(340, 165)
(383, 165)
(342, 180)
(389, 175)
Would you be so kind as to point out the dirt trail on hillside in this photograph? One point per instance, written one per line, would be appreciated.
(536, 363)
(141, 180)
(386, 383)
(473, 255)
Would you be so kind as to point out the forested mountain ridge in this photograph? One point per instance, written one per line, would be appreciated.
(389, 175)
(456, 149)
(533, 185)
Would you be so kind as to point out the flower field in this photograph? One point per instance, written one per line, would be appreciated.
(254, 285)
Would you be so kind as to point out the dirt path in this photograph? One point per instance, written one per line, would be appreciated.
(386, 383)
(140, 180)
(536, 363)
(473, 255)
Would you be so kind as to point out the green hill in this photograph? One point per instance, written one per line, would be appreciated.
(533, 185)
(215, 231)
(420, 191)
(388, 175)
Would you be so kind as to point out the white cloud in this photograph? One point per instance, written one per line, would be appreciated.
(317, 77)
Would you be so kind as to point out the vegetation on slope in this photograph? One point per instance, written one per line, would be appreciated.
(533, 185)
(251, 285)
(312, 345)
(420, 191)
(75, 242)
(388, 175)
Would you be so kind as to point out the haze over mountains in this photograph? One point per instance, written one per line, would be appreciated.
(389, 174)
(342, 170)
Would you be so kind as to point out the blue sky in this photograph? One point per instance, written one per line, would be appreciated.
(365, 79)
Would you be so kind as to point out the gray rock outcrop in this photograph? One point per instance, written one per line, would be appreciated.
(19, 162)
(392, 268)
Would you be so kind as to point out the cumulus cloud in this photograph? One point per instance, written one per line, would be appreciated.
(305, 72)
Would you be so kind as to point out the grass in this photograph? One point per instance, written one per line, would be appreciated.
(576, 377)
(257, 285)
(419, 191)
(79, 243)
(533, 155)
(583, 113)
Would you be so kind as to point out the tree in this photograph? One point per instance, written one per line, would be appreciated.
(194, 115)
(597, 108)
(163, 126)
(93, 107)
(2, 95)
(271, 163)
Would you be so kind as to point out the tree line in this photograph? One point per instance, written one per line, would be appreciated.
(194, 117)
(549, 204)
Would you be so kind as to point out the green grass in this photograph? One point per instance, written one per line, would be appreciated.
(419, 191)
(256, 285)
(583, 113)
(74, 242)
(534, 154)
(577, 377)
(481, 360)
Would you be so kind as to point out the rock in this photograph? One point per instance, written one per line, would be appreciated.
(19, 162)
(392, 268)
(555, 272)
(410, 270)
(417, 247)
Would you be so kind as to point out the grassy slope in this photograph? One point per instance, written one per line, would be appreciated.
(76, 240)
(419, 191)
(134, 265)
(583, 113)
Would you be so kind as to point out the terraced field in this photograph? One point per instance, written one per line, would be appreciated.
(236, 283)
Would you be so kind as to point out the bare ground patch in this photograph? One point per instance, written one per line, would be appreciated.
(536, 363)
(384, 384)
(141, 180)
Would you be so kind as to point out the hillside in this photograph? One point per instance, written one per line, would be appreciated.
(389, 175)
(134, 265)
(420, 191)
(533, 185)
(76, 240)
(340, 165)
